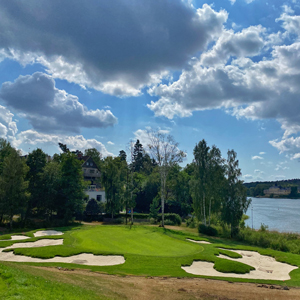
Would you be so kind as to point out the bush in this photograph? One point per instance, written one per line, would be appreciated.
(191, 223)
(169, 222)
(208, 230)
(174, 218)
(152, 221)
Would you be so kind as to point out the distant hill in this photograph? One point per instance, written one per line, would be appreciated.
(256, 189)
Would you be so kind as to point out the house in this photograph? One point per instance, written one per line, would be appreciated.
(277, 190)
(92, 174)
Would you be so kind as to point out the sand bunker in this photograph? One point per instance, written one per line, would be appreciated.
(16, 238)
(199, 242)
(83, 259)
(47, 232)
(39, 243)
(266, 267)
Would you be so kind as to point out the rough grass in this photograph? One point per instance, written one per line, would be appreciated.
(18, 284)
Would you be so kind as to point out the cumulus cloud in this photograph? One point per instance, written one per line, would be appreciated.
(262, 153)
(118, 46)
(143, 137)
(290, 145)
(49, 109)
(110, 143)
(78, 142)
(228, 77)
(256, 157)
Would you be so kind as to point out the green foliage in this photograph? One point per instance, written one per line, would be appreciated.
(72, 186)
(175, 219)
(208, 230)
(154, 208)
(50, 179)
(13, 187)
(235, 203)
(191, 222)
(92, 208)
(287, 242)
(207, 183)
(112, 181)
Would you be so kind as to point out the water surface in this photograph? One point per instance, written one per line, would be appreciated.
(279, 214)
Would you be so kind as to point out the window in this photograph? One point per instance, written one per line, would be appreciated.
(99, 197)
(92, 171)
(87, 163)
(91, 163)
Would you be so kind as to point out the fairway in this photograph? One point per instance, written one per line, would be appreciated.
(136, 240)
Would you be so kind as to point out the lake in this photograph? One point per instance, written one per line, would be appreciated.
(279, 214)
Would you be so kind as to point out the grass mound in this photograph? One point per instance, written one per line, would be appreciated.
(229, 266)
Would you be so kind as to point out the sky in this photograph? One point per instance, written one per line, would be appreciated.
(98, 74)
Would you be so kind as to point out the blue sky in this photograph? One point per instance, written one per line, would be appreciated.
(100, 73)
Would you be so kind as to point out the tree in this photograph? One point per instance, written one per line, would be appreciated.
(13, 187)
(72, 186)
(207, 182)
(200, 183)
(165, 152)
(137, 162)
(123, 155)
(235, 202)
(179, 200)
(36, 162)
(111, 180)
(50, 189)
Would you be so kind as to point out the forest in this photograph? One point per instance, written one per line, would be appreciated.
(148, 180)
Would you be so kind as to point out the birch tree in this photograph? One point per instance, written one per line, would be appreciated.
(164, 149)
(235, 202)
(208, 179)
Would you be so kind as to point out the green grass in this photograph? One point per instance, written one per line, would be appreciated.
(153, 251)
(18, 284)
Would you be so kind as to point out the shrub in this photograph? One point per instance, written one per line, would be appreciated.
(191, 223)
(174, 218)
(152, 221)
(169, 222)
(208, 230)
(116, 221)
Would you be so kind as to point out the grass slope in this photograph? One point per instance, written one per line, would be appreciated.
(153, 251)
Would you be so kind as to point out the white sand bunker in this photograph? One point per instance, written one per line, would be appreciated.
(39, 243)
(83, 259)
(199, 242)
(47, 232)
(16, 238)
(266, 267)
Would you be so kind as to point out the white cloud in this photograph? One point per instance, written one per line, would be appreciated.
(110, 143)
(248, 176)
(49, 109)
(262, 153)
(256, 157)
(78, 142)
(143, 137)
(280, 167)
(42, 32)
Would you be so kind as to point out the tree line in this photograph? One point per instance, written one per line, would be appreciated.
(148, 179)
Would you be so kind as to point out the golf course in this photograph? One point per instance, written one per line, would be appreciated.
(144, 251)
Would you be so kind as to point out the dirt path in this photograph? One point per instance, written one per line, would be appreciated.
(141, 288)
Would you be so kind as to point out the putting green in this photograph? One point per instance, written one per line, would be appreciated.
(137, 240)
